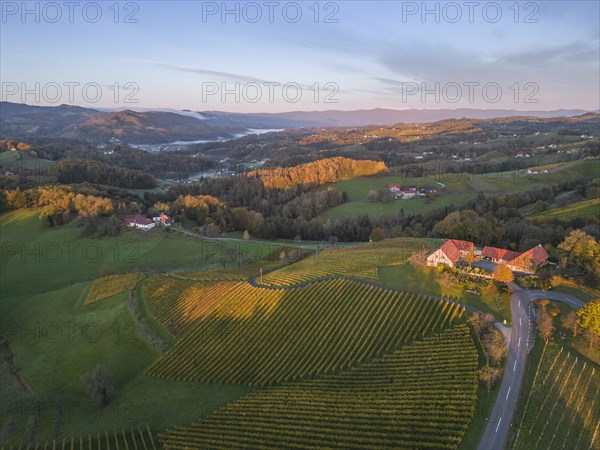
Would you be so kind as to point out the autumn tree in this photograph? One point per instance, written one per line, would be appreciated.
(583, 247)
(246, 235)
(489, 375)
(589, 317)
(570, 322)
(494, 345)
(481, 321)
(545, 324)
(99, 384)
(503, 274)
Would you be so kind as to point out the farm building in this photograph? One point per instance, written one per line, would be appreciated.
(162, 220)
(451, 253)
(526, 261)
(137, 221)
(498, 255)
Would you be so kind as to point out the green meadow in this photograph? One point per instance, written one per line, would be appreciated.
(457, 189)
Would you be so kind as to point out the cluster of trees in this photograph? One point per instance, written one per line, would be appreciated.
(59, 203)
(318, 172)
(493, 345)
(77, 170)
(579, 257)
(202, 209)
(586, 320)
(172, 164)
(245, 204)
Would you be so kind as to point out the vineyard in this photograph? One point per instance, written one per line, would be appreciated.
(106, 287)
(257, 336)
(176, 303)
(243, 273)
(422, 396)
(115, 440)
(361, 262)
(563, 409)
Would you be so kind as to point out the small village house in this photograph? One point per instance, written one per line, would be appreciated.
(137, 221)
(163, 220)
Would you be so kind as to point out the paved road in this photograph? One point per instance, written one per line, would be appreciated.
(521, 343)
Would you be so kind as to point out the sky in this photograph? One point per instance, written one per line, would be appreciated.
(276, 56)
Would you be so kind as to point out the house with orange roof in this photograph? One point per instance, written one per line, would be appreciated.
(498, 255)
(528, 260)
(451, 252)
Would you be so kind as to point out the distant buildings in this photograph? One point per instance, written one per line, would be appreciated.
(163, 220)
(410, 192)
(137, 221)
(534, 171)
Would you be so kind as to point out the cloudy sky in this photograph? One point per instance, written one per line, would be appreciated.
(283, 56)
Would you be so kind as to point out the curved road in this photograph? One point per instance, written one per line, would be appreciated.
(521, 343)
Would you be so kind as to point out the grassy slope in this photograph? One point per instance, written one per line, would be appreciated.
(459, 188)
(18, 160)
(104, 334)
(56, 338)
(584, 209)
(457, 192)
(38, 259)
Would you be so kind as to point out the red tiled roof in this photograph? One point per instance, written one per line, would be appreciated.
(499, 253)
(465, 246)
(137, 218)
(538, 254)
(453, 247)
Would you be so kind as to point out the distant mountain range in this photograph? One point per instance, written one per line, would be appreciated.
(381, 116)
(159, 126)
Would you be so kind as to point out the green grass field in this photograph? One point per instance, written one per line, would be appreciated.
(585, 209)
(13, 161)
(456, 191)
(45, 278)
(38, 259)
(459, 188)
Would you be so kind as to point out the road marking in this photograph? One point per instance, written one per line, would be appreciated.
(519, 344)
(520, 323)
(508, 392)
(498, 424)
(515, 366)
(519, 303)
